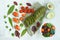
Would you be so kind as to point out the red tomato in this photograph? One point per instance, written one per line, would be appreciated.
(26, 7)
(25, 11)
(15, 14)
(17, 27)
(32, 10)
(29, 11)
(22, 7)
(20, 11)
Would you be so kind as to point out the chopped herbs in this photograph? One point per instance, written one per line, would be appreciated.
(5, 22)
(20, 3)
(16, 9)
(6, 26)
(7, 5)
(4, 16)
(12, 34)
(9, 29)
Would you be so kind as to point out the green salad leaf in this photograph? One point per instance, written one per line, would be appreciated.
(11, 9)
(52, 31)
(10, 21)
(21, 25)
(49, 25)
(23, 32)
(46, 35)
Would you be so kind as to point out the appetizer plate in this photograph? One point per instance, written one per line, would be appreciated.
(7, 32)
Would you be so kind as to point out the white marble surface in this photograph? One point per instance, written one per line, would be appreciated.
(5, 34)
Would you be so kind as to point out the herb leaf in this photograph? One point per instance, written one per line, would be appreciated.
(23, 32)
(21, 25)
(49, 25)
(11, 9)
(10, 21)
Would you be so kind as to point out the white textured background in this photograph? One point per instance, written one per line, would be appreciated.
(5, 34)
